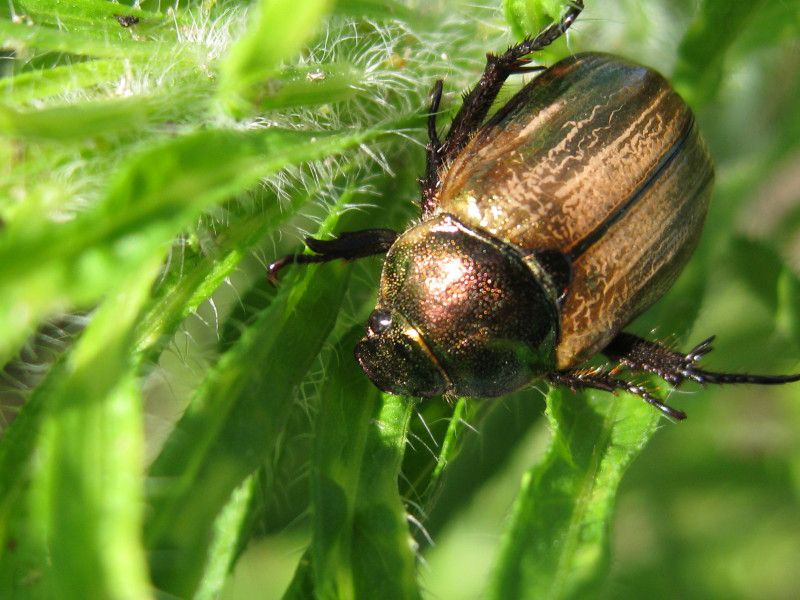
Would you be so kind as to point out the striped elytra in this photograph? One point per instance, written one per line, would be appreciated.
(599, 159)
(564, 216)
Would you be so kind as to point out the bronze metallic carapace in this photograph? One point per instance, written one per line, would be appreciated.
(599, 159)
(471, 303)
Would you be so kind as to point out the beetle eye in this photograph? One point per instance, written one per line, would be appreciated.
(379, 321)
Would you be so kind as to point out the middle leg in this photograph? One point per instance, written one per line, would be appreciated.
(600, 379)
(433, 153)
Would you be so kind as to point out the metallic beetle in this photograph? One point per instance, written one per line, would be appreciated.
(545, 230)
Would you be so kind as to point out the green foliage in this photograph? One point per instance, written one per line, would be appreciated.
(360, 544)
(530, 16)
(234, 420)
(91, 458)
(557, 540)
(177, 427)
(277, 32)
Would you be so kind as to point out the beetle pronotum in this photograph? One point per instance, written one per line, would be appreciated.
(545, 230)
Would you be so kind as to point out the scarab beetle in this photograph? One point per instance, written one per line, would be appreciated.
(545, 230)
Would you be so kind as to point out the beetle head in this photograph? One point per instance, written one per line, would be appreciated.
(459, 312)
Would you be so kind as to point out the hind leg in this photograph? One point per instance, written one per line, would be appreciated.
(607, 381)
(638, 354)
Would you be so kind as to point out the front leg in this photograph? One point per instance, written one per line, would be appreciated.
(347, 246)
(639, 354)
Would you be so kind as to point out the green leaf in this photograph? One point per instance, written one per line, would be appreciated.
(235, 420)
(463, 412)
(89, 472)
(202, 273)
(315, 84)
(787, 313)
(227, 531)
(89, 11)
(278, 29)
(490, 432)
(47, 266)
(760, 269)
(381, 10)
(302, 584)
(42, 83)
(79, 122)
(751, 279)
(361, 545)
(22, 37)
(703, 50)
(529, 17)
(556, 545)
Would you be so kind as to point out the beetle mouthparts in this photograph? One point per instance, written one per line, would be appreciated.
(396, 366)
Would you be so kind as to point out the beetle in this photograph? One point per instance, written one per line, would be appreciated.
(545, 230)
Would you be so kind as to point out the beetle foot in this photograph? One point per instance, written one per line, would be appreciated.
(638, 354)
(599, 379)
(276, 266)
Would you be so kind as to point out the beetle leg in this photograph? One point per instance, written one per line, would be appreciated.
(433, 152)
(479, 99)
(599, 379)
(349, 245)
(639, 354)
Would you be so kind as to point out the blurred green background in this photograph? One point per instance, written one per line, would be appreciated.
(173, 426)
